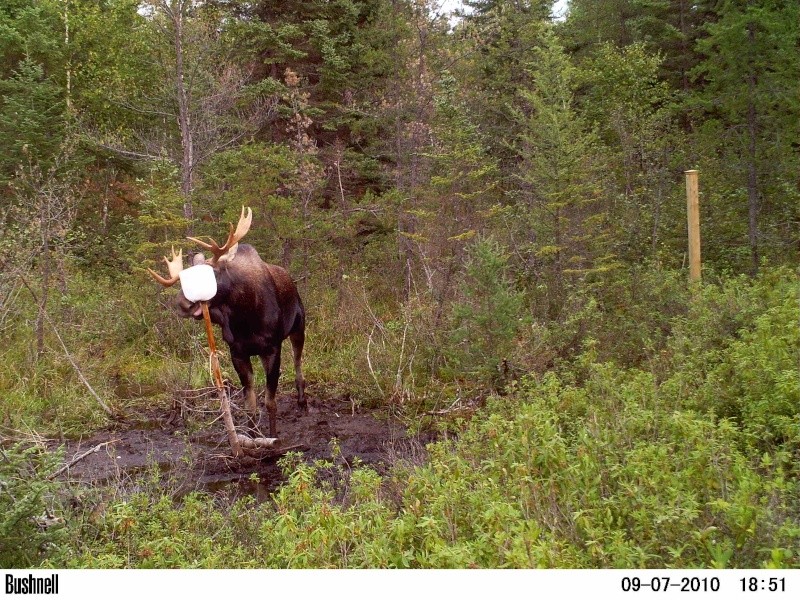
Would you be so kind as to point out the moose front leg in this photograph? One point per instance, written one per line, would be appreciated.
(272, 367)
(244, 368)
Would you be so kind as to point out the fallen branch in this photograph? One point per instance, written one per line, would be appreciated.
(456, 406)
(225, 403)
(252, 443)
(369, 362)
(80, 457)
(265, 452)
(102, 404)
(197, 394)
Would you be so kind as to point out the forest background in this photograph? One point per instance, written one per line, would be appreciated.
(484, 212)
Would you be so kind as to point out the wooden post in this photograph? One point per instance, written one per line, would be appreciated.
(227, 418)
(693, 216)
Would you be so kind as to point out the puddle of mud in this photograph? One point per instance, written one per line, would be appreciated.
(195, 456)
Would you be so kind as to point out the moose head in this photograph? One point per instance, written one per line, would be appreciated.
(219, 255)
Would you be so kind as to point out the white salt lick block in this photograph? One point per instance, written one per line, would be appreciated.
(198, 283)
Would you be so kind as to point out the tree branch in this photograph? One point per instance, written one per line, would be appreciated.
(80, 457)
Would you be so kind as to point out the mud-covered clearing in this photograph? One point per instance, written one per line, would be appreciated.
(189, 444)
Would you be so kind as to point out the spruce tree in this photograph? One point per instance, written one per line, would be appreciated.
(750, 97)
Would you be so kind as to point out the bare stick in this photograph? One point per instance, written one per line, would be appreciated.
(80, 457)
(233, 439)
(259, 442)
(398, 384)
(369, 362)
(341, 188)
(102, 404)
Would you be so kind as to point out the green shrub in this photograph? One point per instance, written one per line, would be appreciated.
(758, 376)
(602, 474)
(736, 354)
(31, 524)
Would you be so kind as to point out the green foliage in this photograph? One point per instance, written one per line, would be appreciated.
(563, 226)
(486, 321)
(496, 43)
(634, 113)
(31, 526)
(31, 117)
(258, 176)
(649, 472)
(751, 106)
(612, 472)
(666, 28)
(759, 376)
(748, 38)
(736, 353)
(112, 72)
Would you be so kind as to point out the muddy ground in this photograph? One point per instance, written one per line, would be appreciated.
(188, 444)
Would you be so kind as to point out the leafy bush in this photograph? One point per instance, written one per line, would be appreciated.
(758, 377)
(31, 528)
(736, 354)
(605, 474)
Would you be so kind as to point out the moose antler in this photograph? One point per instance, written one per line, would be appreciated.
(175, 266)
(245, 220)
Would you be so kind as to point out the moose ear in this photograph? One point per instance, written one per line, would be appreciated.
(231, 254)
(198, 259)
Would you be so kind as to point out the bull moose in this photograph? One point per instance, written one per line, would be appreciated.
(257, 306)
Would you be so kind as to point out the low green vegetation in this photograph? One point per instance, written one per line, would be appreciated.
(687, 459)
(32, 507)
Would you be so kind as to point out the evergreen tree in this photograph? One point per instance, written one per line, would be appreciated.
(635, 116)
(32, 117)
(495, 45)
(32, 92)
(558, 180)
(749, 74)
(487, 318)
(669, 28)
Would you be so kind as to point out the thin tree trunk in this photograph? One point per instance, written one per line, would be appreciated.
(184, 118)
(45, 266)
(752, 174)
(304, 239)
(69, 62)
(656, 219)
(660, 185)
(109, 172)
(401, 166)
(684, 45)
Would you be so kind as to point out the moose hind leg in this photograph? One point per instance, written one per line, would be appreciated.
(272, 367)
(298, 339)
